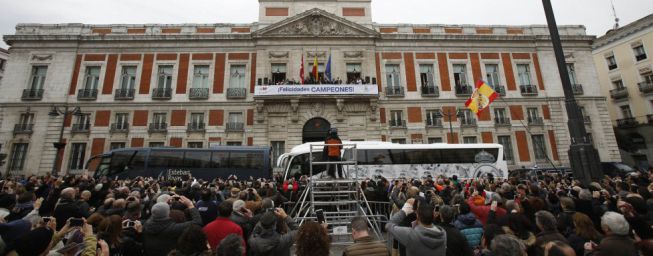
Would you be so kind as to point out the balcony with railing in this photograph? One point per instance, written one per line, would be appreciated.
(236, 93)
(528, 90)
(32, 94)
(627, 122)
(162, 93)
(120, 127)
(196, 127)
(87, 94)
(502, 122)
(235, 127)
(198, 93)
(619, 93)
(646, 87)
(124, 94)
(433, 122)
(467, 122)
(577, 89)
(430, 91)
(535, 121)
(81, 128)
(397, 124)
(501, 90)
(394, 91)
(23, 128)
(464, 90)
(158, 128)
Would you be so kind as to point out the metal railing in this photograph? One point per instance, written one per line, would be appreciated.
(162, 93)
(196, 127)
(645, 87)
(464, 90)
(198, 93)
(502, 121)
(430, 90)
(535, 121)
(81, 128)
(619, 93)
(23, 128)
(120, 127)
(236, 93)
(32, 94)
(528, 90)
(431, 122)
(394, 91)
(627, 122)
(158, 127)
(394, 123)
(501, 90)
(468, 122)
(87, 94)
(124, 94)
(577, 89)
(235, 127)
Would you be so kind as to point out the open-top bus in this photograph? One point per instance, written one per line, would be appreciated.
(177, 163)
(392, 160)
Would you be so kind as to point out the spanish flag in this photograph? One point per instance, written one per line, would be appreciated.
(481, 98)
(315, 68)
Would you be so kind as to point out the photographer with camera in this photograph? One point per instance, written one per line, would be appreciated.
(160, 232)
(274, 234)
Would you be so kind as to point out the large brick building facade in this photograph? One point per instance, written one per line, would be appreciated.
(194, 85)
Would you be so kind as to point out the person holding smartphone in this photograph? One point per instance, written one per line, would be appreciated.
(267, 238)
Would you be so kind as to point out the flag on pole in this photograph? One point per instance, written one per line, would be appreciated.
(327, 70)
(315, 68)
(301, 71)
(481, 98)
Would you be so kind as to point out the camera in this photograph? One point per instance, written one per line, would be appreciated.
(76, 222)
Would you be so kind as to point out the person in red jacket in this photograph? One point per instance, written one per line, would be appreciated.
(222, 226)
(482, 211)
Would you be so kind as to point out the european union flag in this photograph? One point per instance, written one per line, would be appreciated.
(327, 70)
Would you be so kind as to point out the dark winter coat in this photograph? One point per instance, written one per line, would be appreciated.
(160, 236)
(264, 242)
(471, 228)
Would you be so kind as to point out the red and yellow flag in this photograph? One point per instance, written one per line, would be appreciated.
(482, 97)
(315, 68)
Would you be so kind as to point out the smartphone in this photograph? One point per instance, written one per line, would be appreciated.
(46, 219)
(320, 216)
(130, 224)
(76, 222)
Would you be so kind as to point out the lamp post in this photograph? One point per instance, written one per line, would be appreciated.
(60, 145)
(450, 115)
(583, 157)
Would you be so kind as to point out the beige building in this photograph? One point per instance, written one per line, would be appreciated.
(198, 85)
(625, 68)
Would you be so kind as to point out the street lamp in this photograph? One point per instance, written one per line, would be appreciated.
(450, 114)
(583, 157)
(60, 145)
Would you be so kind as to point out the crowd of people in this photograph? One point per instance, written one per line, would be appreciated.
(555, 215)
(321, 80)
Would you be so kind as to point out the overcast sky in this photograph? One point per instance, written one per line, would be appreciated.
(596, 15)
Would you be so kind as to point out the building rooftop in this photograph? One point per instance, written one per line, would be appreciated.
(616, 34)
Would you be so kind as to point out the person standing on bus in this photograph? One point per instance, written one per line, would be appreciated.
(331, 151)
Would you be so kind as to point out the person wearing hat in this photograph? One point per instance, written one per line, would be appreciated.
(242, 216)
(332, 151)
(267, 240)
(160, 232)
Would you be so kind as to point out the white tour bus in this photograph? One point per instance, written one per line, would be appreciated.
(390, 160)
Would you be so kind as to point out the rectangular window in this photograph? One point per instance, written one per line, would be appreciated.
(354, 73)
(539, 147)
(278, 148)
(500, 114)
(159, 118)
(524, 72)
(26, 119)
(433, 118)
(235, 117)
(396, 118)
(128, 78)
(466, 114)
(571, 69)
(237, 76)
(116, 145)
(279, 73)
(197, 118)
(77, 154)
(122, 120)
(195, 144)
(234, 143)
(647, 77)
(469, 140)
(492, 75)
(460, 74)
(83, 121)
(38, 77)
(392, 75)
(156, 144)
(533, 114)
(640, 53)
(320, 72)
(435, 140)
(612, 62)
(590, 139)
(618, 84)
(18, 155)
(201, 76)
(92, 78)
(426, 75)
(625, 111)
(399, 141)
(165, 77)
(506, 142)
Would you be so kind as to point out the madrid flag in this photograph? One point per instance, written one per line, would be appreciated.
(481, 98)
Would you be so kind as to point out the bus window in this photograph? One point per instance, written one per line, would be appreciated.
(197, 159)
(168, 159)
(119, 161)
(219, 159)
(99, 165)
(246, 160)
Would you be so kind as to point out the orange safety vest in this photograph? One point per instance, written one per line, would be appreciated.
(333, 150)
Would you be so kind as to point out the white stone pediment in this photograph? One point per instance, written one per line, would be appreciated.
(316, 23)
